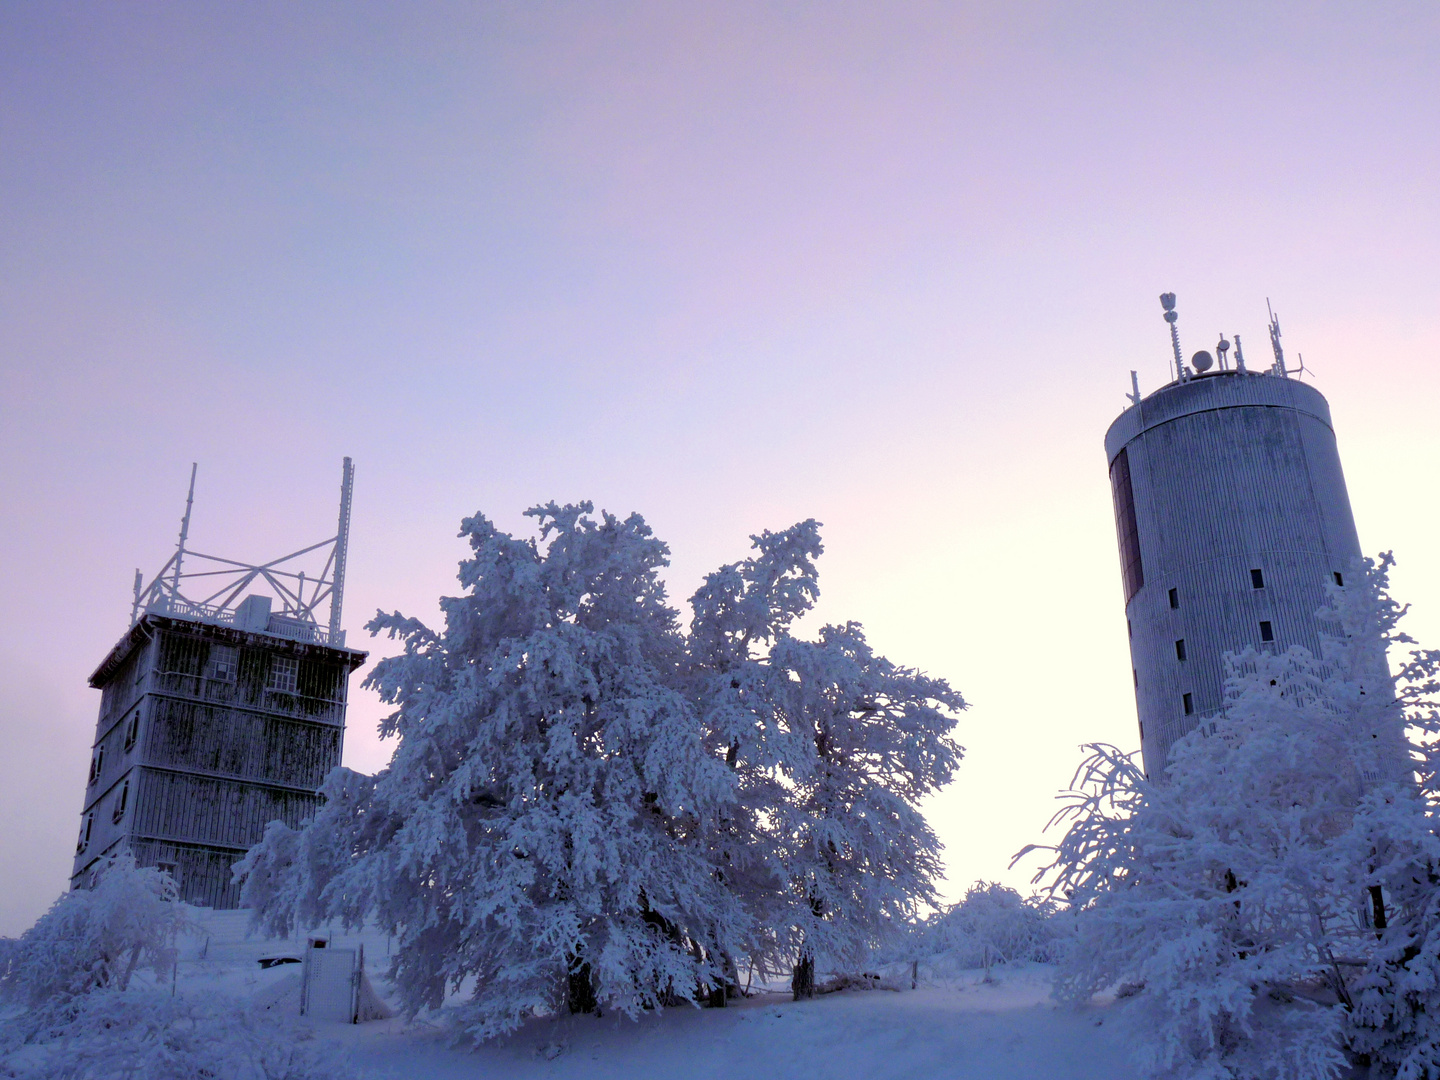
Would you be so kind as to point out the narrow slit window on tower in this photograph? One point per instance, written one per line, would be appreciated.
(132, 731)
(97, 764)
(1174, 598)
(120, 802)
(1132, 568)
(1339, 579)
(1257, 579)
(1188, 703)
(1267, 632)
(1135, 674)
(85, 827)
(1180, 649)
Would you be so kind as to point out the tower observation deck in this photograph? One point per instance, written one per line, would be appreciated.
(1232, 517)
(218, 715)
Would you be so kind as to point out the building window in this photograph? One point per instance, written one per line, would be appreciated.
(1142, 730)
(1136, 675)
(84, 841)
(1180, 649)
(284, 671)
(1132, 569)
(221, 663)
(1267, 632)
(1257, 579)
(1129, 629)
(132, 731)
(1188, 703)
(121, 801)
(1339, 579)
(97, 763)
(1174, 598)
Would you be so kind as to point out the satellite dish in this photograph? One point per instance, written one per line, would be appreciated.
(1201, 361)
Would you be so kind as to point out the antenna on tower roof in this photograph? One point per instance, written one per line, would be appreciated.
(1134, 394)
(1279, 368)
(1167, 301)
(342, 542)
(184, 529)
(224, 581)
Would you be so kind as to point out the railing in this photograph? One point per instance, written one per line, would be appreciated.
(278, 626)
(224, 692)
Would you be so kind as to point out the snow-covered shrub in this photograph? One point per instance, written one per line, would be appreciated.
(93, 939)
(149, 1035)
(589, 806)
(992, 925)
(1248, 891)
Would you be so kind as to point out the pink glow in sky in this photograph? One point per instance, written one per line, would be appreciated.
(887, 265)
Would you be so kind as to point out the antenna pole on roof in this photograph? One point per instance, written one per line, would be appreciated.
(1275, 341)
(1167, 301)
(1134, 394)
(1239, 356)
(342, 541)
(184, 535)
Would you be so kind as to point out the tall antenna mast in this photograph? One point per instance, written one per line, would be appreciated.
(342, 542)
(1275, 341)
(1167, 301)
(184, 534)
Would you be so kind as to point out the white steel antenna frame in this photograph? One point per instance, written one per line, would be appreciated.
(300, 594)
(342, 545)
(1167, 301)
(1275, 341)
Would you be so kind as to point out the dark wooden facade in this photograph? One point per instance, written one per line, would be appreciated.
(206, 734)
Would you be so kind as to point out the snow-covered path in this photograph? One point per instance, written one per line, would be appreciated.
(967, 1032)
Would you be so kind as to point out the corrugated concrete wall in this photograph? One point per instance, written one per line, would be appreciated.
(1228, 474)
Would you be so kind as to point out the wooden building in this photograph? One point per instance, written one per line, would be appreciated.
(216, 719)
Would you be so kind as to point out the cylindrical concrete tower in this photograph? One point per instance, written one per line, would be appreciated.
(1232, 515)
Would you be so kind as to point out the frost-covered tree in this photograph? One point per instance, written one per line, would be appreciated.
(589, 806)
(540, 827)
(1247, 891)
(833, 747)
(992, 924)
(145, 1034)
(74, 1009)
(92, 939)
(1395, 1024)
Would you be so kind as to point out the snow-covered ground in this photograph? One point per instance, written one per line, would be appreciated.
(969, 1032)
(955, 1028)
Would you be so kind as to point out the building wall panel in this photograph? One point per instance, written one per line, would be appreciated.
(1229, 474)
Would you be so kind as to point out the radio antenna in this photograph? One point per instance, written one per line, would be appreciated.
(1275, 341)
(1167, 301)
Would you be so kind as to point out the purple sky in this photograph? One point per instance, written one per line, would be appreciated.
(728, 265)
